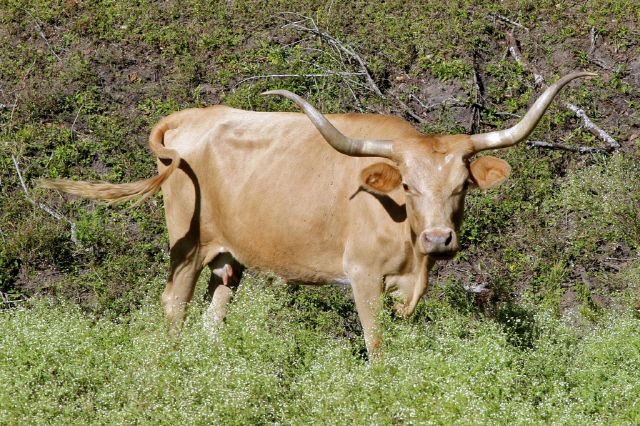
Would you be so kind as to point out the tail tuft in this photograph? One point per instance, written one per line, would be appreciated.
(108, 192)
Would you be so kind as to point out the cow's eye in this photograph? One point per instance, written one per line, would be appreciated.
(406, 188)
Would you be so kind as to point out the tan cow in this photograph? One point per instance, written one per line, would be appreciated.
(265, 190)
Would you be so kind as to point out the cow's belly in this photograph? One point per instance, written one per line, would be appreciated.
(291, 258)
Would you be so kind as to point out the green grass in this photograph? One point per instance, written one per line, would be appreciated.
(270, 365)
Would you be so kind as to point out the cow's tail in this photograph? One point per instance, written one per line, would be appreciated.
(120, 193)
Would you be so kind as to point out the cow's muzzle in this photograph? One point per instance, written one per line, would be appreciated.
(440, 243)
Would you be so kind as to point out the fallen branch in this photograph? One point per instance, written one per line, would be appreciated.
(602, 64)
(13, 109)
(474, 123)
(594, 40)
(39, 30)
(509, 21)
(587, 123)
(513, 48)
(579, 149)
(76, 119)
(428, 108)
(460, 103)
(336, 74)
(407, 109)
(336, 43)
(595, 130)
(597, 61)
(45, 208)
(8, 302)
(8, 105)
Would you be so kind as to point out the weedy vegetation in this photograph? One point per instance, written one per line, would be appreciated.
(535, 322)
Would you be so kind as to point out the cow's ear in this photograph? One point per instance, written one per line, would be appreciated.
(489, 171)
(380, 177)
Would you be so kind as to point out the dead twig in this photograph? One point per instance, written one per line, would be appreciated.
(13, 109)
(474, 123)
(602, 64)
(8, 105)
(595, 130)
(332, 74)
(39, 30)
(594, 39)
(597, 61)
(513, 48)
(586, 122)
(5, 299)
(460, 103)
(45, 208)
(355, 98)
(509, 21)
(561, 147)
(407, 109)
(336, 43)
(76, 119)
(427, 108)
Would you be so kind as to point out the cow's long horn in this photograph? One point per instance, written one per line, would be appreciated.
(519, 132)
(342, 143)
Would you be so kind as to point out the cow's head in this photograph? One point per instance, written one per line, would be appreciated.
(434, 171)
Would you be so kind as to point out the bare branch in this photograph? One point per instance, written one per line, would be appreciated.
(588, 124)
(286, 46)
(594, 39)
(474, 123)
(355, 98)
(517, 55)
(13, 109)
(407, 109)
(341, 46)
(601, 63)
(76, 119)
(332, 74)
(427, 108)
(39, 30)
(462, 104)
(15, 302)
(507, 114)
(8, 105)
(561, 147)
(45, 208)
(509, 21)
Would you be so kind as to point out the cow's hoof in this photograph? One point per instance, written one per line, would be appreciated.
(401, 310)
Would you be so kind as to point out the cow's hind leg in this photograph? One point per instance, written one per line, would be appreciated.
(186, 266)
(367, 292)
(226, 273)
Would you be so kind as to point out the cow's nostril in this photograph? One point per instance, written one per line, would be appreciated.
(436, 241)
(448, 241)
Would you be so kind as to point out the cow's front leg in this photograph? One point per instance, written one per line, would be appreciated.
(367, 292)
(412, 287)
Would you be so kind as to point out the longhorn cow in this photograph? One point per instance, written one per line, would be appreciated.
(343, 198)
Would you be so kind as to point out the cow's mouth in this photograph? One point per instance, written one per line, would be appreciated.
(443, 256)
